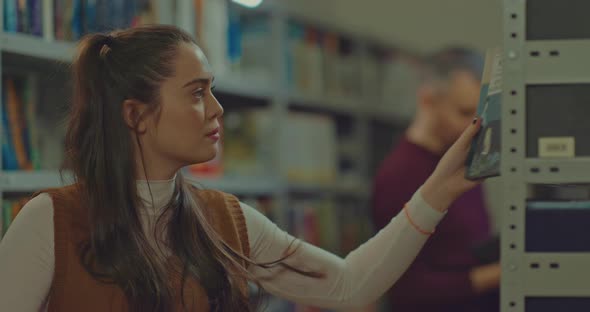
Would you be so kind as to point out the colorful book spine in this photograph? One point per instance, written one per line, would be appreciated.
(77, 21)
(9, 160)
(10, 208)
(90, 15)
(66, 21)
(48, 21)
(16, 123)
(23, 16)
(20, 142)
(58, 17)
(6, 215)
(10, 15)
(35, 17)
(30, 129)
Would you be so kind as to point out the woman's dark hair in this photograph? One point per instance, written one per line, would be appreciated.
(107, 70)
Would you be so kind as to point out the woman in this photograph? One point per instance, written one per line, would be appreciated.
(130, 234)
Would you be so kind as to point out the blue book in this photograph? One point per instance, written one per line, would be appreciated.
(103, 18)
(234, 38)
(27, 101)
(9, 160)
(295, 35)
(131, 9)
(90, 16)
(117, 14)
(77, 22)
(10, 16)
(35, 17)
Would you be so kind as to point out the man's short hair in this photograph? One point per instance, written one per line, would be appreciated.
(443, 63)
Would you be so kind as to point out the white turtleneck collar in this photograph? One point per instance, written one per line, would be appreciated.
(161, 192)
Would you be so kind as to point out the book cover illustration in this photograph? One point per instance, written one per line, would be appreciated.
(484, 157)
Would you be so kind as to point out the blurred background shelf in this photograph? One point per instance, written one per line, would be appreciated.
(354, 188)
(31, 46)
(335, 104)
(245, 86)
(239, 185)
(29, 181)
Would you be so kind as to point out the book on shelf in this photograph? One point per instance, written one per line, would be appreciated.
(484, 157)
(20, 140)
(333, 225)
(24, 147)
(315, 222)
(235, 41)
(69, 20)
(248, 145)
(321, 63)
(310, 148)
(354, 226)
(10, 208)
(264, 204)
(256, 57)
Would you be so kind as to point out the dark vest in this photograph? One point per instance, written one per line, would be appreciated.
(74, 289)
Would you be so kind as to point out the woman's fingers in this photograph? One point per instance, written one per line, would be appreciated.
(464, 141)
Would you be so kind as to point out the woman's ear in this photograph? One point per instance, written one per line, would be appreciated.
(134, 113)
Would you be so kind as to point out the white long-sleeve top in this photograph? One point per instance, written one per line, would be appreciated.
(27, 259)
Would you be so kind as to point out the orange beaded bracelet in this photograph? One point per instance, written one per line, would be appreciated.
(419, 229)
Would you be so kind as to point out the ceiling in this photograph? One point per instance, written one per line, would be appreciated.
(421, 25)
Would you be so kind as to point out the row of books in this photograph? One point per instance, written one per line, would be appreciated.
(391, 80)
(20, 149)
(310, 147)
(237, 42)
(264, 204)
(24, 145)
(71, 19)
(322, 63)
(335, 225)
(318, 62)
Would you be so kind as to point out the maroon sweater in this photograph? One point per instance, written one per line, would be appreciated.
(438, 280)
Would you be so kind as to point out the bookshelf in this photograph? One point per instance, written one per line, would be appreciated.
(546, 90)
(351, 114)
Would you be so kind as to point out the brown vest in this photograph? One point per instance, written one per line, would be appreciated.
(74, 289)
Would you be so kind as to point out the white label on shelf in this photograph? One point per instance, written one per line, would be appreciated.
(557, 147)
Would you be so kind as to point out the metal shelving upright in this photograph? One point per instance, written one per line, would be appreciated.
(541, 57)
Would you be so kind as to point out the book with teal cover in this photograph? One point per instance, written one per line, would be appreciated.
(483, 160)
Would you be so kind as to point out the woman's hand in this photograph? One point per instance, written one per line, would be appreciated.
(448, 181)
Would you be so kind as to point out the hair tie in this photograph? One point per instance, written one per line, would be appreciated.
(105, 45)
(107, 40)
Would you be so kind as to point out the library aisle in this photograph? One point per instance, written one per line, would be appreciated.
(323, 99)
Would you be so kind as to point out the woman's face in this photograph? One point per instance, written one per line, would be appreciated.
(186, 130)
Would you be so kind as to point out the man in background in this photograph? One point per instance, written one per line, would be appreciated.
(447, 276)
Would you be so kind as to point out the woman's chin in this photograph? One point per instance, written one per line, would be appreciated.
(206, 157)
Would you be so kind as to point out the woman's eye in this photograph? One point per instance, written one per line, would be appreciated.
(199, 93)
